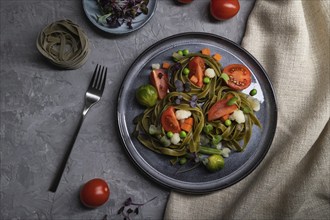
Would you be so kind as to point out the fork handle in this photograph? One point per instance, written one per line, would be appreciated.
(61, 169)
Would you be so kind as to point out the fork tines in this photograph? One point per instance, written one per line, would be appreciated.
(99, 76)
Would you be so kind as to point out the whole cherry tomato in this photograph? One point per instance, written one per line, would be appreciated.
(94, 193)
(224, 9)
(185, 1)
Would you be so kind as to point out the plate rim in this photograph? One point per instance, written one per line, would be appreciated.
(109, 30)
(181, 188)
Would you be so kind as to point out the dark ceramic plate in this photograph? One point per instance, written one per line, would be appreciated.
(237, 165)
(91, 10)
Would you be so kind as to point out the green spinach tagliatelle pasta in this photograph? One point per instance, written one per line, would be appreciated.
(234, 136)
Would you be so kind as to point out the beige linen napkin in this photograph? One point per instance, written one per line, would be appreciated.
(290, 38)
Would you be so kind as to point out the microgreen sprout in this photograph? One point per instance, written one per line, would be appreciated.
(216, 139)
(130, 207)
(224, 76)
(117, 12)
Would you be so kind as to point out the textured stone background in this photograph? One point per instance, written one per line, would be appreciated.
(41, 106)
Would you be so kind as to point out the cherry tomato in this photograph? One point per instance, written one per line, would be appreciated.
(239, 76)
(196, 71)
(169, 121)
(159, 79)
(94, 193)
(224, 9)
(185, 1)
(220, 109)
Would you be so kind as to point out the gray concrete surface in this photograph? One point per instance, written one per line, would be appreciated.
(41, 105)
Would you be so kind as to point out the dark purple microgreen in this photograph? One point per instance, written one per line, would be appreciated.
(177, 101)
(115, 13)
(193, 104)
(187, 87)
(175, 67)
(128, 201)
(196, 157)
(194, 98)
(121, 210)
(128, 204)
(178, 85)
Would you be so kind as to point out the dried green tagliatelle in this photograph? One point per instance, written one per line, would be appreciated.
(64, 44)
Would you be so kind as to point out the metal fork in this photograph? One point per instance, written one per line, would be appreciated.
(93, 95)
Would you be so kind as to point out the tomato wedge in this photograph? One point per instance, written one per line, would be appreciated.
(220, 109)
(169, 121)
(159, 79)
(197, 68)
(239, 76)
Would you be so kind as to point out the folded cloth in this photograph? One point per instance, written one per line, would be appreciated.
(290, 38)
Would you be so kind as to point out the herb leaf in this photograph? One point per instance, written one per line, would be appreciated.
(120, 210)
(129, 203)
(114, 13)
(224, 76)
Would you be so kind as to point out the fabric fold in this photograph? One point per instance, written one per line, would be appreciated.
(291, 41)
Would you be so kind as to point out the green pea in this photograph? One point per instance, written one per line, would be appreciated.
(185, 52)
(206, 80)
(183, 160)
(183, 134)
(186, 71)
(169, 134)
(253, 92)
(180, 52)
(228, 122)
(232, 101)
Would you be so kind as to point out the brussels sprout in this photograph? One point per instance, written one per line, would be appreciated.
(147, 95)
(214, 162)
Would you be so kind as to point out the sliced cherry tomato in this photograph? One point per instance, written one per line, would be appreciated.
(185, 1)
(159, 79)
(239, 76)
(95, 193)
(169, 121)
(224, 9)
(197, 68)
(220, 109)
